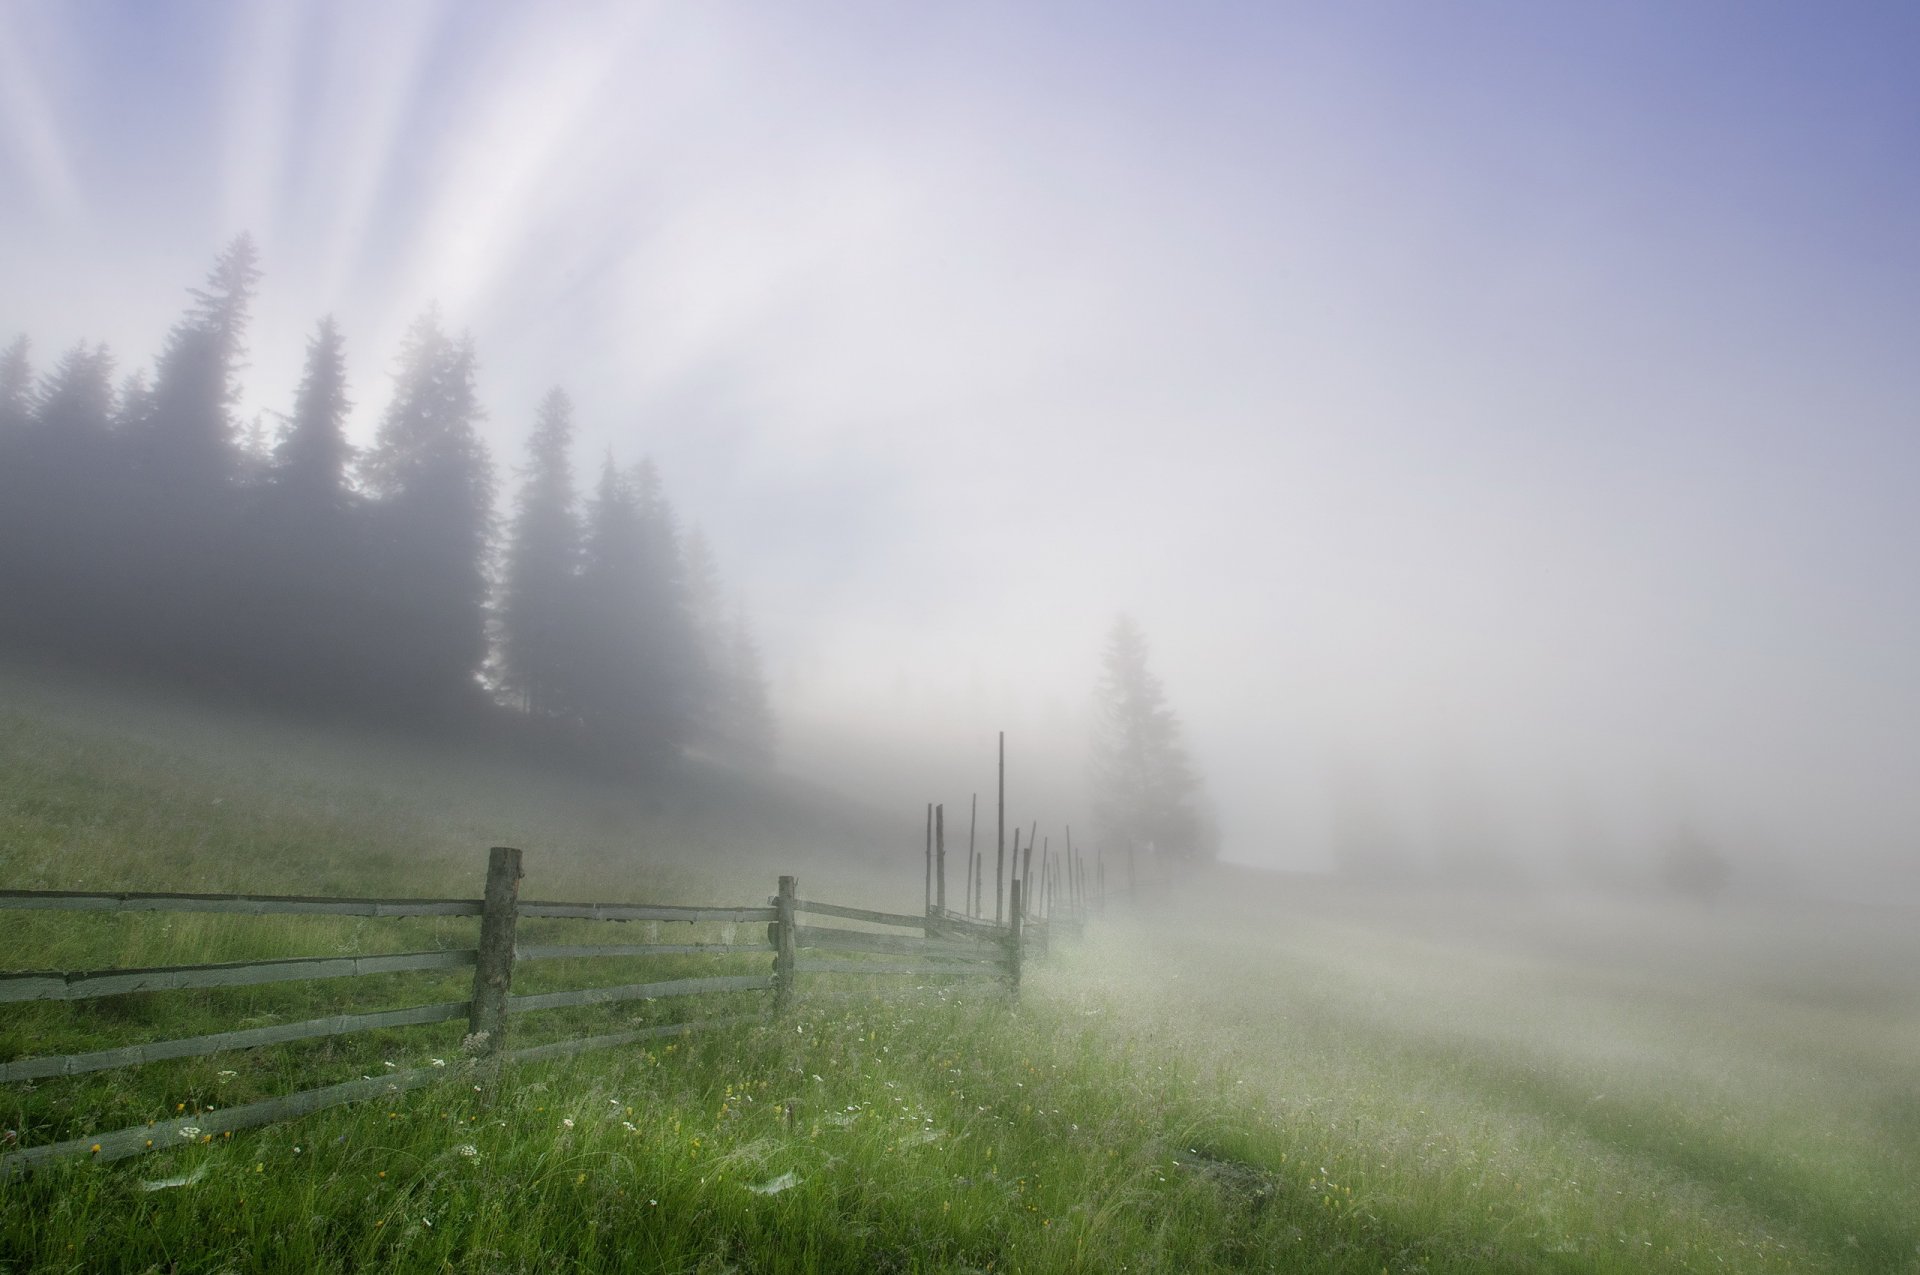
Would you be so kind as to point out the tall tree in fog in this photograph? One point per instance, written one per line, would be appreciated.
(538, 624)
(180, 538)
(1147, 796)
(16, 388)
(432, 523)
(732, 714)
(57, 501)
(308, 557)
(634, 656)
(312, 456)
(188, 447)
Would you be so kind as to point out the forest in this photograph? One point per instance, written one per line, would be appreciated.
(144, 530)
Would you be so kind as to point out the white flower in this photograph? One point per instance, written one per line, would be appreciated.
(439, 1062)
(468, 1150)
(567, 1121)
(189, 1131)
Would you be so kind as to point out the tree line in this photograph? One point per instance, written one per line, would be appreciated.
(142, 528)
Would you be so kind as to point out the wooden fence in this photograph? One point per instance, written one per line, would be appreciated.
(937, 946)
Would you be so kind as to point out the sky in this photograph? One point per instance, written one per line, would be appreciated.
(1500, 418)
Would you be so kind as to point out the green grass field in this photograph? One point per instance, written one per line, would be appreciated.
(1262, 1073)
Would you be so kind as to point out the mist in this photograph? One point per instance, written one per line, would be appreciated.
(1499, 421)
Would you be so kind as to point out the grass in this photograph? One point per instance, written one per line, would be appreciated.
(1267, 1074)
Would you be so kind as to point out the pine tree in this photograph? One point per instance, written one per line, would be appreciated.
(1147, 795)
(433, 482)
(189, 449)
(732, 716)
(538, 600)
(309, 566)
(16, 389)
(748, 734)
(58, 512)
(312, 456)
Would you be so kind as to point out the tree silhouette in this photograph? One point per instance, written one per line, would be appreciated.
(1147, 796)
(16, 388)
(538, 602)
(143, 530)
(308, 562)
(432, 525)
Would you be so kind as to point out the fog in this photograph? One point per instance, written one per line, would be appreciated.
(1500, 419)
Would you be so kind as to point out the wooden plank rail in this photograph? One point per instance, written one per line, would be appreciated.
(941, 945)
(812, 965)
(860, 914)
(550, 953)
(57, 985)
(221, 1042)
(245, 904)
(641, 991)
(209, 1126)
(646, 912)
(898, 944)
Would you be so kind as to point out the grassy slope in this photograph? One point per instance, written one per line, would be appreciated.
(1267, 1079)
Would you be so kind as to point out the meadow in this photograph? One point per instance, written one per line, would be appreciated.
(1250, 1072)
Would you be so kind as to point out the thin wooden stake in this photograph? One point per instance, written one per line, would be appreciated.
(784, 944)
(1000, 836)
(940, 856)
(1014, 939)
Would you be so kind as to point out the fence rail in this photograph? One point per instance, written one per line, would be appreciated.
(942, 946)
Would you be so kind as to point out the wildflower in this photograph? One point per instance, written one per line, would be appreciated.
(189, 1132)
(96, 1148)
(438, 1062)
(468, 1150)
(567, 1121)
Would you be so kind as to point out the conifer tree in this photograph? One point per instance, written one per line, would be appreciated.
(433, 482)
(1147, 796)
(308, 581)
(538, 599)
(312, 456)
(189, 448)
(58, 516)
(16, 388)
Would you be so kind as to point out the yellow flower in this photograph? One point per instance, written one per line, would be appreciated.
(96, 1148)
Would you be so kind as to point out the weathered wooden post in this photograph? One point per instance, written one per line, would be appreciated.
(1000, 862)
(784, 941)
(927, 900)
(1013, 942)
(493, 968)
(940, 857)
(1016, 853)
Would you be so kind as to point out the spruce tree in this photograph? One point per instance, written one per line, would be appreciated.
(16, 389)
(538, 597)
(59, 557)
(1147, 796)
(308, 579)
(433, 483)
(189, 450)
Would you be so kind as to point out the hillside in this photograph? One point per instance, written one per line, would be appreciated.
(1241, 1072)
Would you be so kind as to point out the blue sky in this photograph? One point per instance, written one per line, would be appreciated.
(1510, 405)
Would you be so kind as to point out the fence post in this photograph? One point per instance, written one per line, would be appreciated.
(940, 858)
(1015, 908)
(783, 942)
(493, 969)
